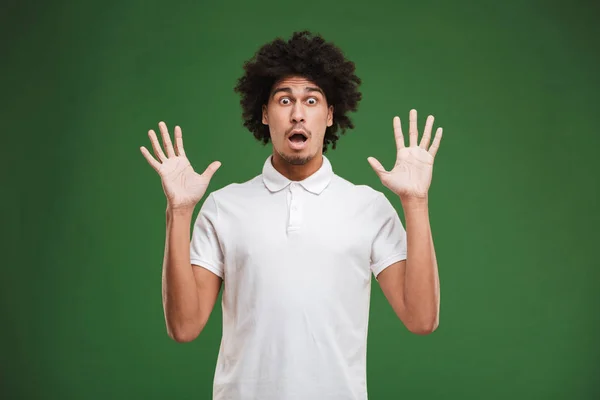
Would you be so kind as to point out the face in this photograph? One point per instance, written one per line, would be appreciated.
(297, 115)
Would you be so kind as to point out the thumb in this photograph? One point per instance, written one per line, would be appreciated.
(211, 169)
(376, 165)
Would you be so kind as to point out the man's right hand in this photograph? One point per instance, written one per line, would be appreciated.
(182, 185)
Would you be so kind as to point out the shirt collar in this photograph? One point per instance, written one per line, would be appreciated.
(316, 183)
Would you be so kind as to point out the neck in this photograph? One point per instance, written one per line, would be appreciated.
(297, 172)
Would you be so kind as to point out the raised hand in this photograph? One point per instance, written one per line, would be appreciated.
(182, 185)
(411, 176)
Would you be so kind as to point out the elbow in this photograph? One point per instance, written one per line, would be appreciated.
(182, 335)
(424, 328)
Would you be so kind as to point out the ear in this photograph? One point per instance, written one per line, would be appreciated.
(265, 117)
(330, 116)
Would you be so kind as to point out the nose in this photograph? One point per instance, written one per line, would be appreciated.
(297, 113)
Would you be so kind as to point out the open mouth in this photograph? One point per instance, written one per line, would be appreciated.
(298, 137)
(298, 140)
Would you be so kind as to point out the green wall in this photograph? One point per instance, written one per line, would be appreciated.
(513, 200)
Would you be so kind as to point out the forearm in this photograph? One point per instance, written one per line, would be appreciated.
(421, 284)
(179, 292)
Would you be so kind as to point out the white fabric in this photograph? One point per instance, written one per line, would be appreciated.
(296, 259)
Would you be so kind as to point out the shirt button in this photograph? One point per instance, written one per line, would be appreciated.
(294, 208)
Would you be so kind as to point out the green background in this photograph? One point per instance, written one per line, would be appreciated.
(513, 201)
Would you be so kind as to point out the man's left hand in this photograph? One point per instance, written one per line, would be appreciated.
(411, 176)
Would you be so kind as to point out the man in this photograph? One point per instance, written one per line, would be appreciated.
(295, 247)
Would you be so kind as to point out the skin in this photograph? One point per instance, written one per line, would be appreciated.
(411, 286)
(297, 103)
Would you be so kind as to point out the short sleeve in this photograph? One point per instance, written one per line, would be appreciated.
(205, 248)
(389, 241)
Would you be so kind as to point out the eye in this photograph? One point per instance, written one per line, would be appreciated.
(312, 101)
(284, 100)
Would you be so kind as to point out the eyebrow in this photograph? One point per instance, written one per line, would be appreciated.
(289, 90)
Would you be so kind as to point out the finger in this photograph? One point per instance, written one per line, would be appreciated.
(377, 167)
(412, 129)
(153, 163)
(398, 133)
(179, 142)
(166, 139)
(427, 133)
(211, 169)
(435, 145)
(156, 146)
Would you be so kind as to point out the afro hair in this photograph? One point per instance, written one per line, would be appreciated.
(311, 57)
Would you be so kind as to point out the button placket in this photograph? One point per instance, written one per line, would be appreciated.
(294, 206)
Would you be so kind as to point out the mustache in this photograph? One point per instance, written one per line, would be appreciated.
(298, 128)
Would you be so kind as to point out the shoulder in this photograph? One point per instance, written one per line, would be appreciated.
(354, 192)
(238, 199)
(236, 190)
(372, 202)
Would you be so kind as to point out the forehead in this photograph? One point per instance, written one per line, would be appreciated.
(295, 83)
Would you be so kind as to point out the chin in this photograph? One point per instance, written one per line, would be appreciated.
(296, 159)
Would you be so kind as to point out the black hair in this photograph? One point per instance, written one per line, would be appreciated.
(309, 56)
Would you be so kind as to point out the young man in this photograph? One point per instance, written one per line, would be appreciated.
(295, 247)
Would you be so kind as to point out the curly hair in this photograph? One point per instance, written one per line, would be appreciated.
(308, 56)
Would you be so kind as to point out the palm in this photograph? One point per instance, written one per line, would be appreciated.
(412, 172)
(411, 175)
(183, 186)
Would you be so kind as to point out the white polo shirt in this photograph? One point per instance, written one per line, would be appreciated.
(296, 260)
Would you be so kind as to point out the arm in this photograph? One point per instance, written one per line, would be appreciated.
(188, 293)
(412, 286)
